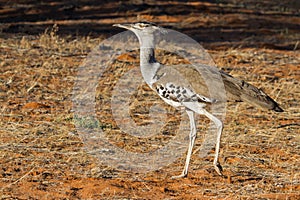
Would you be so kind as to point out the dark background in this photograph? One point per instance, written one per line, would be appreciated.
(215, 24)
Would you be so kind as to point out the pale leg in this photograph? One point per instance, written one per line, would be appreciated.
(219, 126)
(200, 110)
(192, 138)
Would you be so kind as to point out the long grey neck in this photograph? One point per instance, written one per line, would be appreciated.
(148, 64)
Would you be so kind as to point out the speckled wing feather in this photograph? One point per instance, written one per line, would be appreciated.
(176, 95)
(236, 89)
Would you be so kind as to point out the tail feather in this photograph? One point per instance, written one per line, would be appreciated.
(239, 90)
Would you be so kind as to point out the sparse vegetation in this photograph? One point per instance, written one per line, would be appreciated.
(42, 156)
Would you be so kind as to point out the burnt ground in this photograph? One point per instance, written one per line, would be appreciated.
(43, 44)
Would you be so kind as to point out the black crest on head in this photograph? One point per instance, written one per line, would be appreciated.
(148, 23)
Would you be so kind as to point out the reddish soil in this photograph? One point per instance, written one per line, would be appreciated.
(42, 155)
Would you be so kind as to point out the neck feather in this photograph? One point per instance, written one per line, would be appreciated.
(147, 55)
(148, 64)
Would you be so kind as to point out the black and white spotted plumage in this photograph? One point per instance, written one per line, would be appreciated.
(175, 95)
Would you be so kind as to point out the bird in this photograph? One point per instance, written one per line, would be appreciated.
(190, 95)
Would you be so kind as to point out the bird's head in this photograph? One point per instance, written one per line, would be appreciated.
(145, 32)
(140, 28)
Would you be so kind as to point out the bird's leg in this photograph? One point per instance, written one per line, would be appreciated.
(192, 138)
(219, 125)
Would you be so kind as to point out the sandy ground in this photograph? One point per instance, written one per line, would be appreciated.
(42, 153)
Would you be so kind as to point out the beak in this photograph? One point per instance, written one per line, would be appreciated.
(125, 26)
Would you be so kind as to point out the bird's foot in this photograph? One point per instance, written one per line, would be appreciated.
(218, 168)
(182, 175)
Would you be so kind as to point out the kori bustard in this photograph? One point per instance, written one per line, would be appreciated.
(192, 100)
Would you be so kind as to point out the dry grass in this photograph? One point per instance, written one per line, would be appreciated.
(42, 155)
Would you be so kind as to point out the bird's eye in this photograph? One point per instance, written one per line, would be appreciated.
(143, 25)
